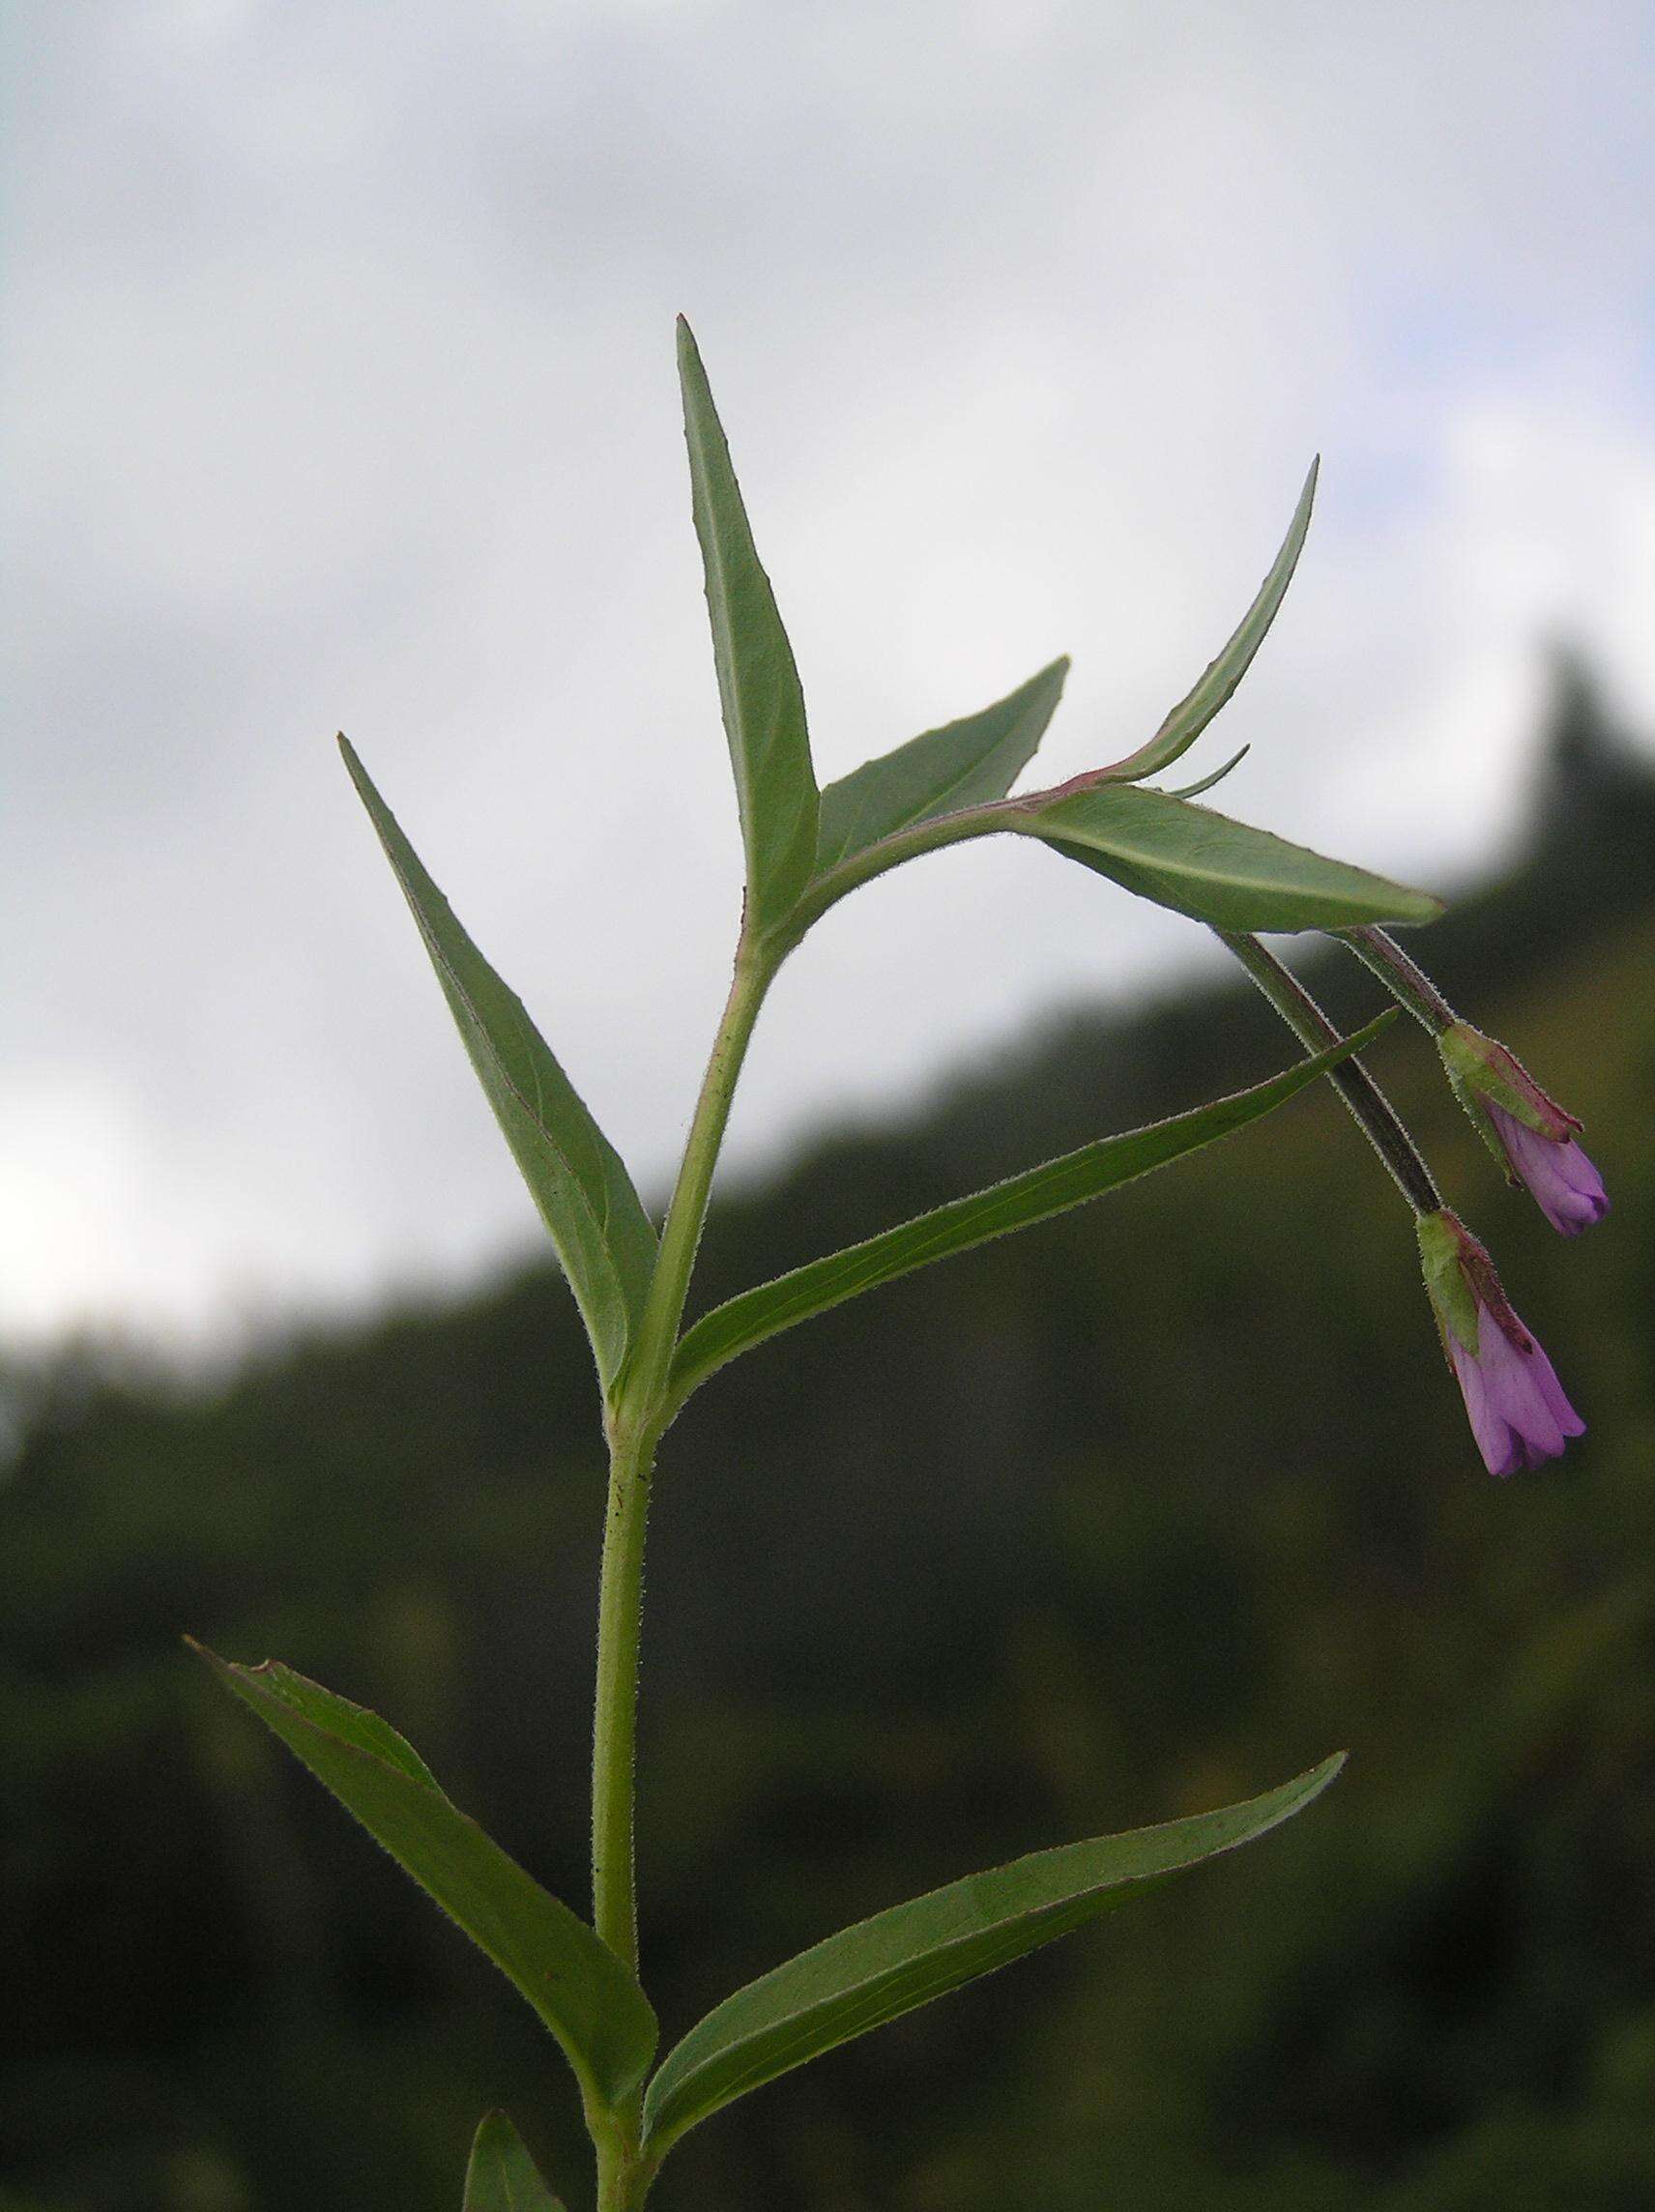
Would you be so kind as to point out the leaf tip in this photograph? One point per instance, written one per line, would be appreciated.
(352, 759)
(1420, 907)
(269, 1671)
(1052, 679)
(225, 1669)
(1299, 528)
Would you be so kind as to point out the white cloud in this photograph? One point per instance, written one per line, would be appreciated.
(341, 394)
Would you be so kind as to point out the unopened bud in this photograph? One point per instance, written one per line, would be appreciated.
(1528, 1132)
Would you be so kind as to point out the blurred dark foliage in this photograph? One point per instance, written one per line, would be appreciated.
(1127, 1517)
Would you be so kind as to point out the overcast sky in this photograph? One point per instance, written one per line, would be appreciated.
(340, 392)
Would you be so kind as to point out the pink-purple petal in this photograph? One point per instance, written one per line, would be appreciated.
(1551, 1389)
(1513, 1388)
(1514, 1400)
(1490, 1429)
(1518, 1414)
(1564, 1181)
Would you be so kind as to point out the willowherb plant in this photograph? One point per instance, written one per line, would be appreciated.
(806, 849)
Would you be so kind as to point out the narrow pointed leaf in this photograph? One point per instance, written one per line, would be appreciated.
(1220, 871)
(969, 762)
(578, 1181)
(576, 1984)
(902, 1959)
(1037, 1195)
(501, 2176)
(1191, 716)
(1217, 776)
(758, 684)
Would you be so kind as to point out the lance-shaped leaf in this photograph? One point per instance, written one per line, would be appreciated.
(1191, 716)
(758, 684)
(969, 762)
(1222, 872)
(501, 2176)
(1037, 1195)
(902, 1959)
(576, 1984)
(577, 1179)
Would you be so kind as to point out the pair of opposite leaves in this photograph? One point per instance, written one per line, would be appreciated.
(804, 849)
(854, 1981)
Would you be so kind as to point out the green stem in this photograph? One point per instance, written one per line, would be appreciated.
(1404, 977)
(636, 1421)
(1017, 817)
(756, 963)
(1370, 1108)
(624, 2178)
(613, 1726)
(891, 852)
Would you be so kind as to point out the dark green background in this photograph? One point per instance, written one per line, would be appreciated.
(1137, 1513)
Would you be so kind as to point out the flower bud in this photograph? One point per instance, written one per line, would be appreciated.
(1516, 1405)
(1528, 1133)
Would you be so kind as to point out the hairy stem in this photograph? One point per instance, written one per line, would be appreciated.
(1403, 977)
(636, 1420)
(624, 2178)
(614, 1729)
(1368, 1106)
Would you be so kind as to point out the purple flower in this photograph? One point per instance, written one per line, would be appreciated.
(1517, 1411)
(1568, 1189)
(1528, 1133)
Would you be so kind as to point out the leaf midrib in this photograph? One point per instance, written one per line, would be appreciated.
(534, 1114)
(856, 2006)
(1186, 871)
